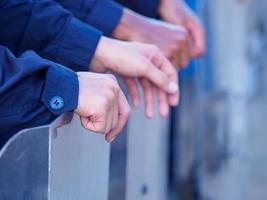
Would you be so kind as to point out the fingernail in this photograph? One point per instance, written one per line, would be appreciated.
(173, 87)
(110, 140)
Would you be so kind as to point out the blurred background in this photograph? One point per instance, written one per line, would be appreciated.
(216, 146)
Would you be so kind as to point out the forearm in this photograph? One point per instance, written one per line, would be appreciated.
(28, 85)
(47, 28)
(128, 27)
(148, 8)
(104, 14)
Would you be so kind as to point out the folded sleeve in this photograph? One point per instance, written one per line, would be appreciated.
(148, 8)
(33, 91)
(50, 30)
(28, 80)
(102, 14)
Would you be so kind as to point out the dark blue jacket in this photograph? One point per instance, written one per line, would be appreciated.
(47, 28)
(33, 92)
(29, 84)
(148, 8)
(102, 14)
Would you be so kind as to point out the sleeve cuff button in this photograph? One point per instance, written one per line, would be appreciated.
(57, 103)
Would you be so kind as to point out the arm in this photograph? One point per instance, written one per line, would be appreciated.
(34, 91)
(148, 8)
(47, 28)
(176, 12)
(104, 14)
(29, 86)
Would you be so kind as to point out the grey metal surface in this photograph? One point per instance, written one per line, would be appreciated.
(54, 162)
(79, 164)
(24, 166)
(147, 157)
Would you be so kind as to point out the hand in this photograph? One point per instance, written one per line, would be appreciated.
(102, 106)
(136, 60)
(177, 12)
(148, 92)
(172, 40)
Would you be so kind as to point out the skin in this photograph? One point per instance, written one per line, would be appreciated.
(177, 12)
(180, 38)
(172, 40)
(102, 106)
(139, 62)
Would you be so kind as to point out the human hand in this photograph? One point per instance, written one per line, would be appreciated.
(172, 40)
(102, 106)
(149, 93)
(145, 62)
(177, 12)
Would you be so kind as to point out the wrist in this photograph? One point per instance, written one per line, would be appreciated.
(105, 55)
(129, 26)
(169, 10)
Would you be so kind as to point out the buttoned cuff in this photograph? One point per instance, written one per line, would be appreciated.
(105, 15)
(76, 47)
(61, 90)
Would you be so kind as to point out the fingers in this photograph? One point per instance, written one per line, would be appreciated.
(148, 97)
(172, 74)
(133, 90)
(93, 124)
(124, 112)
(197, 32)
(160, 79)
(163, 105)
(115, 116)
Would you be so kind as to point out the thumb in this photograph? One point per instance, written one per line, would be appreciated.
(160, 79)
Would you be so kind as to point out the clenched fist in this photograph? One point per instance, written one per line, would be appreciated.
(102, 106)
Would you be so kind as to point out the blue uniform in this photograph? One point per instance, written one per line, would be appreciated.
(102, 14)
(33, 91)
(48, 29)
(145, 7)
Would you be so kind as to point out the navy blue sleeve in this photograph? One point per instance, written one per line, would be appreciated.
(148, 8)
(47, 28)
(33, 91)
(102, 14)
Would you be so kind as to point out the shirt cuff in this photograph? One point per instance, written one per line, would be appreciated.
(76, 47)
(105, 15)
(61, 90)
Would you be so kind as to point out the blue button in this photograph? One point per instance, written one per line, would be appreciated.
(57, 103)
